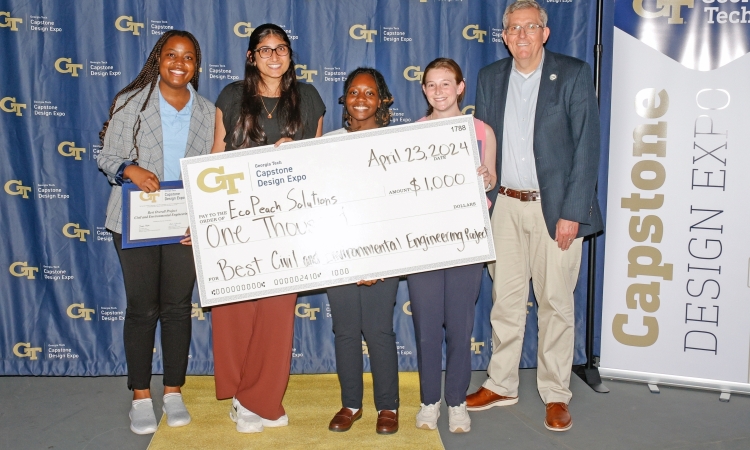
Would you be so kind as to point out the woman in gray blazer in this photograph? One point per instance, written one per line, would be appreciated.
(148, 131)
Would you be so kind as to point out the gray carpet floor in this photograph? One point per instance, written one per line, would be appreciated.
(92, 413)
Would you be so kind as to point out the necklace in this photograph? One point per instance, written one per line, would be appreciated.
(270, 113)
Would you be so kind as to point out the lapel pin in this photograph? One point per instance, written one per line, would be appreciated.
(553, 77)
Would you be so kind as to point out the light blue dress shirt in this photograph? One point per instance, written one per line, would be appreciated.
(175, 126)
(518, 168)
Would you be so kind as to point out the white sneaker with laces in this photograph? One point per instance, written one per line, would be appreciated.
(247, 421)
(458, 419)
(428, 415)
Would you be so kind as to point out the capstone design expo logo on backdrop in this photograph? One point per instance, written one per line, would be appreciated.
(16, 187)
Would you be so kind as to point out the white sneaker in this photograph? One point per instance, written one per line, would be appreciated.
(247, 421)
(458, 419)
(174, 408)
(428, 415)
(280, 422)
(142, 417)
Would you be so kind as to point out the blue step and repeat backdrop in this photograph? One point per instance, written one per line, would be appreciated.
(62, 300)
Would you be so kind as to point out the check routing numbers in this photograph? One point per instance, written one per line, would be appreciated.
(335, 210)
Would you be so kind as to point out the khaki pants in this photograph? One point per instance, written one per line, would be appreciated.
(526, 251)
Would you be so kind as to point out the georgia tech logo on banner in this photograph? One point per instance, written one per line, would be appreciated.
(306, 311)
(243, 29)
(79, 311)
(360, 31)
(222, 181)
(197, 311)
(666, 8)
(9, 105)
(25, 350)
(125, 23)
(472, 32)
(67, 148)
(22, 269)
(148, 196)
(303, 73)
(365, 351)
(476, 347)
(407, 308)
(11, 22)
(468, 109)
(65, 65)
(16, 187)
(413, 73)
(72, 231)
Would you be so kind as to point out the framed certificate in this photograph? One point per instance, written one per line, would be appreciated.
(154, 218)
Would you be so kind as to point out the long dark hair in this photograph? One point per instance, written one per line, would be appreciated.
(383, 114)
(148, 77)
(248, 130)
(450, 65)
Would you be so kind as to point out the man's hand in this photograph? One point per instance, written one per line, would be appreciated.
(565, 233)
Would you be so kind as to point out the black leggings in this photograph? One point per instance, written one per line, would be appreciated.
(159, 286)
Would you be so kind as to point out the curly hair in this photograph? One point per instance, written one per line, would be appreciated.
(383, 114)
(248, 130)
(447, 64)
(149, 76)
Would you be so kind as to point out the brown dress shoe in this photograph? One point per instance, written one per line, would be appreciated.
(344, 419)
(387, 422)
(558, 417)
(486, 399)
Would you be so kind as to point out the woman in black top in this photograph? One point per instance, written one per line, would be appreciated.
(253, 339)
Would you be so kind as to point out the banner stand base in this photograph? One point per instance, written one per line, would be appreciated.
(591, 377)
(724, 387)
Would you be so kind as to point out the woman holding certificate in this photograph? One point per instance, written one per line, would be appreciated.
(446, 298)
(253, 340)
(153, 122)
(365, 308)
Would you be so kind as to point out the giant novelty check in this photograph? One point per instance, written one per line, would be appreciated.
(337, 209)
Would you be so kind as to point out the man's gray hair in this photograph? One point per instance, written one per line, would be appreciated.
(524, 4)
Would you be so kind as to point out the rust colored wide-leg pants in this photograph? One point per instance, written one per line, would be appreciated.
(253, 351)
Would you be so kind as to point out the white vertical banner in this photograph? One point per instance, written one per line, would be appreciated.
(676, 281)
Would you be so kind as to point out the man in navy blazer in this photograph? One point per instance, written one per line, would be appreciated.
(542, 106)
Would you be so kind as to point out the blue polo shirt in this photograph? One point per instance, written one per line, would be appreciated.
(175, 126)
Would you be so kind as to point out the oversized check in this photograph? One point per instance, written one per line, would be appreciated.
(337, 209)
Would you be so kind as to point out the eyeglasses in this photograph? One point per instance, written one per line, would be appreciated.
(530, 29)
(266, 52)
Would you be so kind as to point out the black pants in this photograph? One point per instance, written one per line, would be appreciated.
(368, 311)
(444, 298)
(158, 285)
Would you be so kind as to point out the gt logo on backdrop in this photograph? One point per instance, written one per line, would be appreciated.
(79, 311)
(365, 34)
(666, 8)
(468, 109)
(224, 181)
(148, 197)
(25, 350)
(11, 22)
(243, 29)
(407, 308)
(65, 65)
(22, 269)
(125, 23)
(413, 73)
(303, 73)
(197, 311)
(8, 104)
(472, 32)
(306, 311)
(67, 148)
(72, 231)
(476, 347)
(20, 189)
